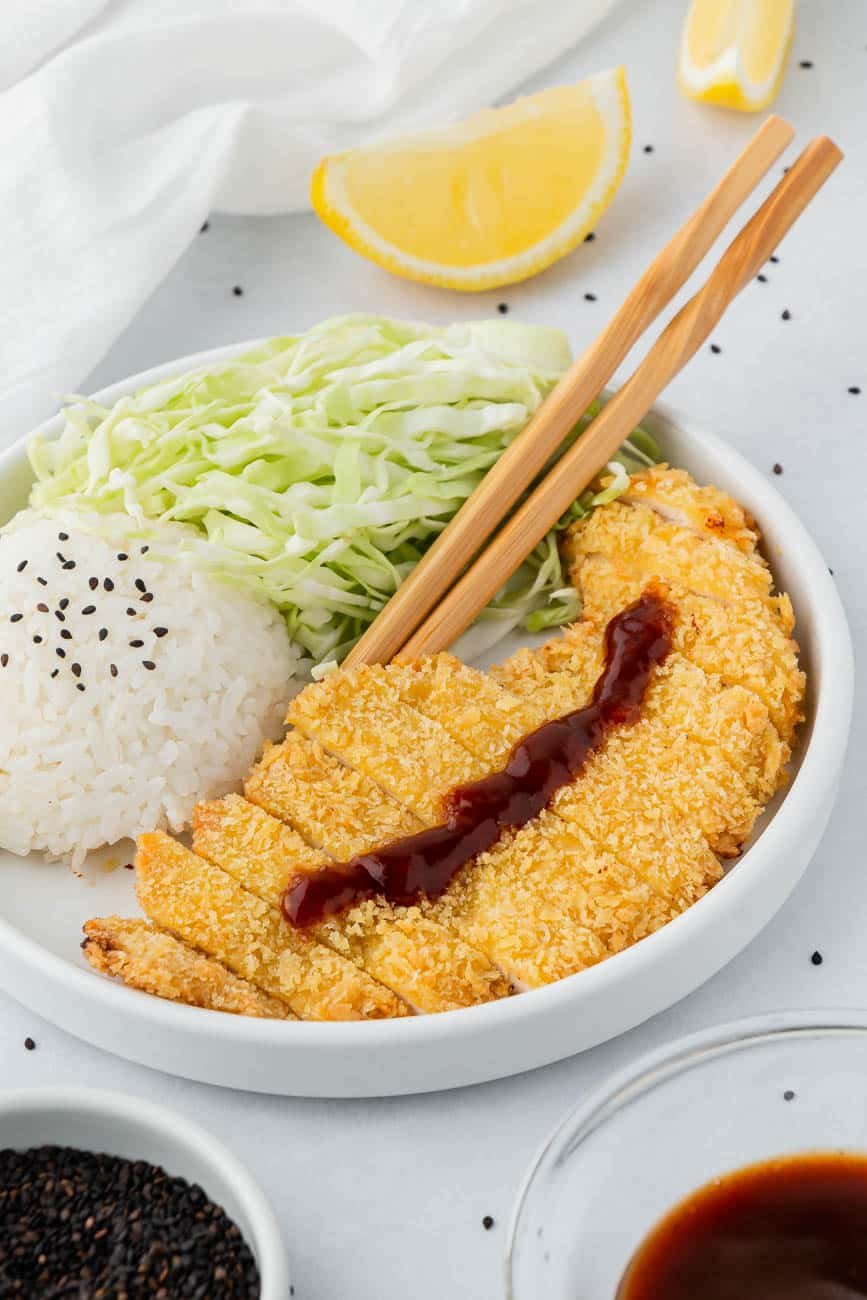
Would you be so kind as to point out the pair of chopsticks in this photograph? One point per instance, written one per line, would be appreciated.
(435, 604)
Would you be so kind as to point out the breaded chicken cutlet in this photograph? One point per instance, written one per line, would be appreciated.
(376, 753)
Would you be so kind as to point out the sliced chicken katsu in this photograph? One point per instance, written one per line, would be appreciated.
(676, 496)
(388, 760)
(423, 962)
(744, 643)
(641, 542)
(207, 908)
(148, 959)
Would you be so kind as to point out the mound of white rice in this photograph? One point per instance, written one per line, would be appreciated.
(131, 686)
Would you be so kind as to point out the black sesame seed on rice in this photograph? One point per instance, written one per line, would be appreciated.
(122, 555)
(161, 631)
(37, 640)
(93, 583)
(80, 686)
(140, 584)
(112, 668)
(63, 537)
(43, 582)
(89, 609)
(60, 616)
(4, 660)
(136, 645)
(76, 670)
(103, 633)
(132, 612)
(64, 604)
(785, 314)
(56, 671)
(108, 584)
(66, 634)
(42, 607)
(22, 566)
(148, 664)
(15, 618)
(147, 597)
(70, 564)
(60, 652)
(144, 550)
(61, 557)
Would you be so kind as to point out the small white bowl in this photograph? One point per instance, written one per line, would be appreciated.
(109, 1122)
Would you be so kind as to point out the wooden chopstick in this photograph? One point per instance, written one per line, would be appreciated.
(519, 465)
(741, 261)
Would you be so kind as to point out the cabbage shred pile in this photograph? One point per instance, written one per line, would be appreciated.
(317, 469)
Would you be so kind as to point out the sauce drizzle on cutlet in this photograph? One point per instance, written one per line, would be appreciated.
(637, 640)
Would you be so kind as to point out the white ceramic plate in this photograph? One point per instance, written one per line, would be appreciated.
(42, 907)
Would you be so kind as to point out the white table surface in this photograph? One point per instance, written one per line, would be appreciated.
(381, 1200)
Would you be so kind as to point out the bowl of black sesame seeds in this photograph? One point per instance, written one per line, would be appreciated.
(109, 1197)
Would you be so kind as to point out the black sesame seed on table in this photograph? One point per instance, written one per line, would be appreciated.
(762, 279)
(77, 1223)
(785, 314)
(806, 63)
(502, 308)
(648, 148)
(774, 257)
(206, 225)
(237, 291)
(487, 1223)
(778, 469)
(788, 1095)
(590, 297)
(29, 1043)
(817, 959)
(715, 349)
(588, 238)
(855, 390)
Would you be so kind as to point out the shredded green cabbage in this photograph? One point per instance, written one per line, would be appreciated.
(317, 469)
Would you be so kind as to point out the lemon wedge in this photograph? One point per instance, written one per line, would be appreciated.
(491, 200)
(734, 52)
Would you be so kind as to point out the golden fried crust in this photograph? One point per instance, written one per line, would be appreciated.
(675, 495)
(207, 908)
(425, 964)
(359, 717)
(471, 706)
(640, 542)
(145, 958)
(746, 644)
(331, 805)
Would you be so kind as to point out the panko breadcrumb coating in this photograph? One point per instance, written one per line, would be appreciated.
(421, 961)
(148, 959)
(632, 842)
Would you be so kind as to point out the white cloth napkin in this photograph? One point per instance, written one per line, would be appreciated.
(123, 124)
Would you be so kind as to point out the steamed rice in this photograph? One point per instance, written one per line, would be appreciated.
(101, 737)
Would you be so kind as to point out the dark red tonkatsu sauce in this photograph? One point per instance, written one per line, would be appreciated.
(636, 641)
(790, 1229)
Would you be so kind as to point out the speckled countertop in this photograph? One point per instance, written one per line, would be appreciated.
(385, 1199)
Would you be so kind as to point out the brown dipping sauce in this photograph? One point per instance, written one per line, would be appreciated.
(636, 641)
(791, 1229)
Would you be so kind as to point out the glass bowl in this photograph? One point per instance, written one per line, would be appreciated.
(746, 1092)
